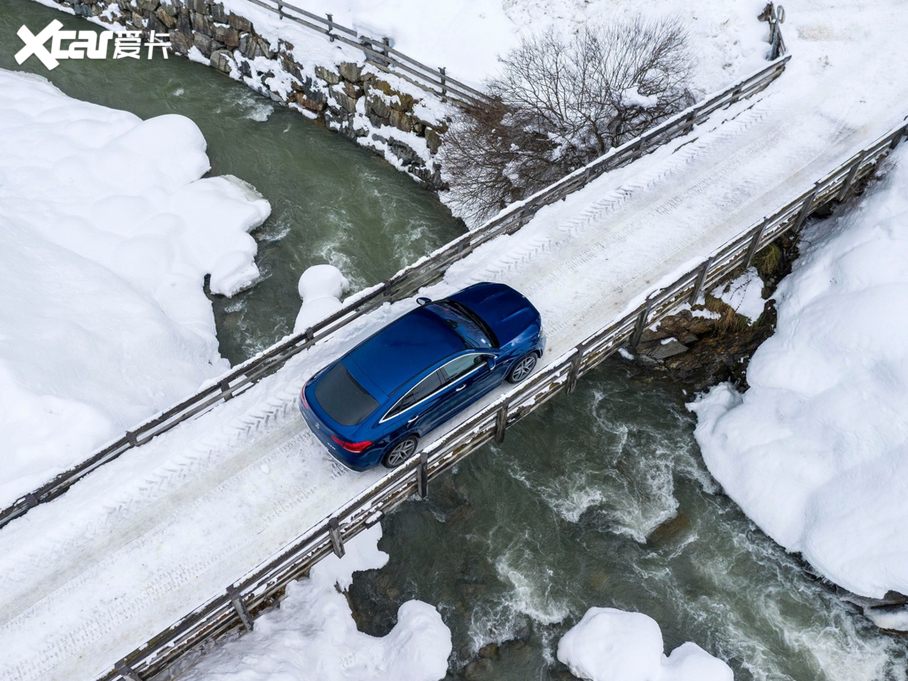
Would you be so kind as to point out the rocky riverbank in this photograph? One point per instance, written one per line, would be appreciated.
(712, 341)
(332, 83)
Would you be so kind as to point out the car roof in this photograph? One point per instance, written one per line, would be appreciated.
(407, 347)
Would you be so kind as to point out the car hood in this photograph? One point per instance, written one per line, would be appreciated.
(506, 311)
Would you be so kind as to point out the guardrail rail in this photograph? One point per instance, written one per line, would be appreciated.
(380, 54)
(404, 284)
(242, 600)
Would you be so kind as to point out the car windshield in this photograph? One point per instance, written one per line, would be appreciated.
(342, 398)
(469, 326)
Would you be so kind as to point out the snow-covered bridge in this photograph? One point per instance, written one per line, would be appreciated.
(148, 547)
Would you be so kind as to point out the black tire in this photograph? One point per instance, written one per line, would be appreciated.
(400, 451)
(522, 368)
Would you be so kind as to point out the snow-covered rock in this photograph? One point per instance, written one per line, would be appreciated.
(321, 288)
(614, 645)
(816, 451)
(313, 636)
(744, 295)
(106, 235)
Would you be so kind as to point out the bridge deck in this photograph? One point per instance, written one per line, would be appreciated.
(88, 578)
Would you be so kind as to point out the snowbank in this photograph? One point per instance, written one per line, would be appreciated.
(816, 451)
(321, 288)
(313, 635)
(468, 36)
(106, 236)
(614, 645)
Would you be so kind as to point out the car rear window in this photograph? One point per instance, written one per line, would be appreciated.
(342, 398)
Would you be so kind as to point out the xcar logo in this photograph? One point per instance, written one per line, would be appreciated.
(84, 44)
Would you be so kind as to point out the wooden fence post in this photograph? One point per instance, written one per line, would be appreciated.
(237, 600)
(501, 423)
(422, 476)
(574, 374)
(754, 244)
(441, 71)
(701, 279)
(897, 138)
(336, 542)
(280, 9)
(330, 26)
(805, 209)
(641, 323)
(127, 672)
(852, 174)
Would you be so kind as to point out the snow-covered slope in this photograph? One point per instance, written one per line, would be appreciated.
(816, 451)
(106, 235)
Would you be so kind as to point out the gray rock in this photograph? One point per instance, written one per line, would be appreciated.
(82, 10)
(201, 23)
(263, 48)
(148, 6)
(433, 140)
(327, 75)
(218, 13)
(203, 43)
(401, 121)
(225, 34)
(199, 6)
(351, 71)
(347, 102)
(663, 350)
(378, 106)
(169, 20)
(222, 61)
(239, 23)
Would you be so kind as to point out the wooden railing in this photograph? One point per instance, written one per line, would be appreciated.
(380, 53)
(404, 284)
(242, 600)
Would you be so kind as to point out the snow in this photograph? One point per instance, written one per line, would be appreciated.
(614, 645)
(816, 450)
(166, 527)
(320, 287)
(726, 38)
(313, 635)
(106, 234)
(744, 294)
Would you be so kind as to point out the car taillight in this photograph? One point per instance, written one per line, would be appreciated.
(303, 398)
(355, 447)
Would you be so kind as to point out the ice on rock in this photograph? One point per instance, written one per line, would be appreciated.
(614, 645)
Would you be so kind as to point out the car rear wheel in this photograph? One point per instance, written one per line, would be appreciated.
(522, 368)
(400, 452)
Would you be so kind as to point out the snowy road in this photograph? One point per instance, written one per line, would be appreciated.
(88, 578)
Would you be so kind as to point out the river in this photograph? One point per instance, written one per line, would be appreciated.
(598, 499)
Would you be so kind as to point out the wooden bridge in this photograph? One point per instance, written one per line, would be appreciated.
(719, 182)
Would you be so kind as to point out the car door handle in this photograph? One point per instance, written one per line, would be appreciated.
(457, 390)
(412, 420)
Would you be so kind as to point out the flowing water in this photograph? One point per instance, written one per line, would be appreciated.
(331, 200)
(599, 499)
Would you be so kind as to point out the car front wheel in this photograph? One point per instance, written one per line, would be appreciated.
(522, 368)
(400, 452)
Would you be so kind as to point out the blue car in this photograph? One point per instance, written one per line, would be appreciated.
(373, 404)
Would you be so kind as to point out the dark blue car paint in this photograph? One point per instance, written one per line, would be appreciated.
(395, 359)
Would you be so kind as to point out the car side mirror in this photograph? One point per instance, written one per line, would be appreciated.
(423, 300)
(490, 360)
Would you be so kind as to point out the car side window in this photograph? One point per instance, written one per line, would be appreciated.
(461, 366)
(423, 389)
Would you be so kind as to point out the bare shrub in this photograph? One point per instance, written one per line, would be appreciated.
(559, 104)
